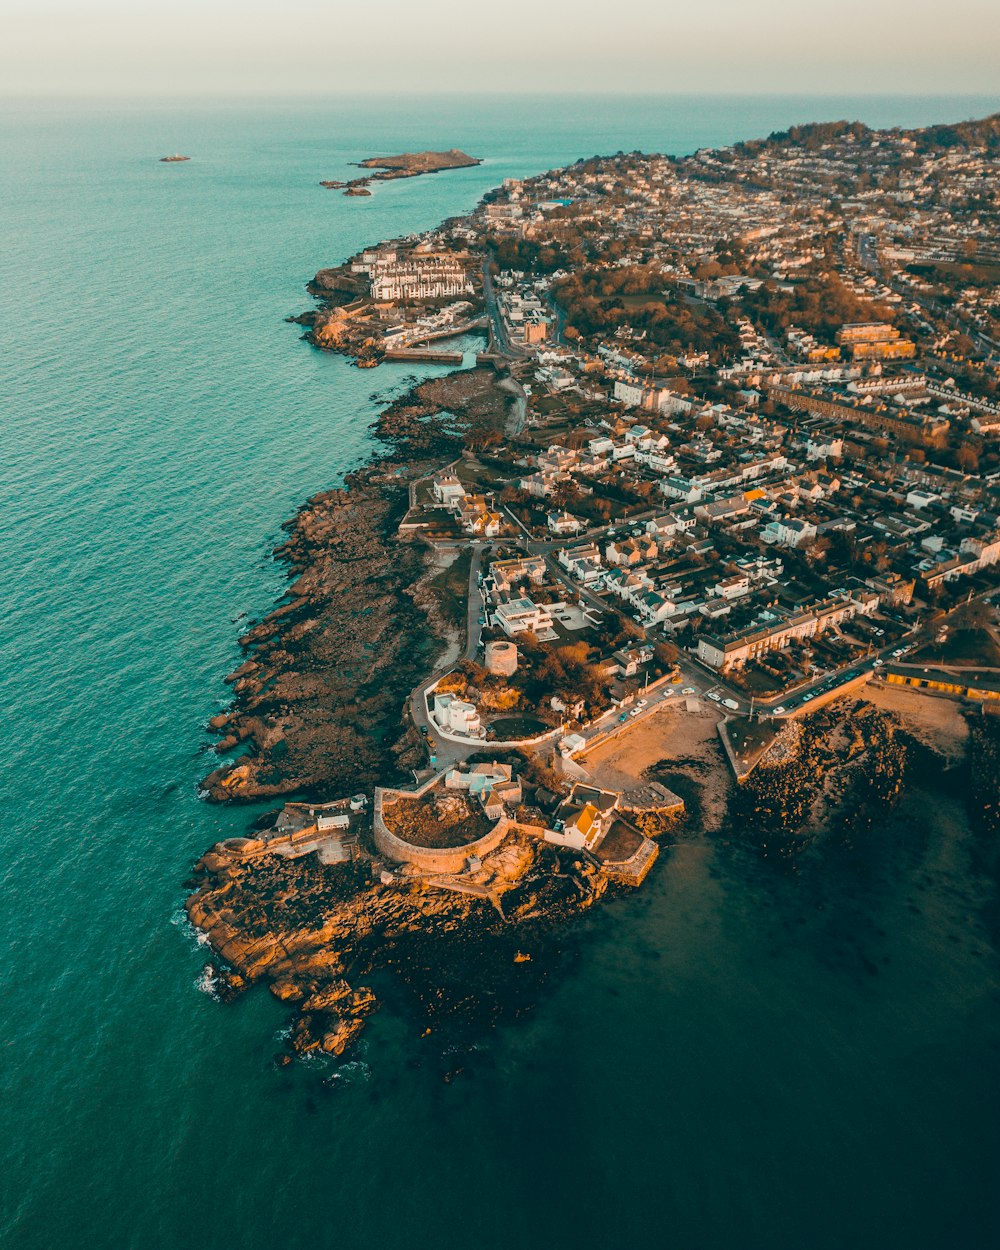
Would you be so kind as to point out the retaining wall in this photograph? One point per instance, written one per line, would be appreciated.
(428, 859)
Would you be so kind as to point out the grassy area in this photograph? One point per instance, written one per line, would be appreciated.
(749, 738)
(480, 479)
(440, 820)
(512, 728)
(450, 587)
(621, 842)
(963, 648)
(757, 681)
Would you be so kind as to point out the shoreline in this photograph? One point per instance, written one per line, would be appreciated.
(321, 702)
(353, 629)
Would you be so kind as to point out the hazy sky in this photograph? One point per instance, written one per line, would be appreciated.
(253, 47)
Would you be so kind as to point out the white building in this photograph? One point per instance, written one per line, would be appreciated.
(521, 615)
(563, 523)
(448, 490)
(789, 532)
(454, 715)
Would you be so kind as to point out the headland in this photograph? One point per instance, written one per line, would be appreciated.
(679, 548)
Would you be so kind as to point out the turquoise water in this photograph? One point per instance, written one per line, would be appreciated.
(731, 1058)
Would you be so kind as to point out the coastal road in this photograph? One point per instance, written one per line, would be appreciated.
(445, 752)
(501, 346)
(476, 608)
(501, 343)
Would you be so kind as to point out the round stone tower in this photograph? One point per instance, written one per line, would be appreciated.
(501, 658)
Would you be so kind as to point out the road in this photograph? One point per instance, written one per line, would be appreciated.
(501, 342)
(868, 256)
(796, 699)
(475, 612)
(501, 346)
(445, 753)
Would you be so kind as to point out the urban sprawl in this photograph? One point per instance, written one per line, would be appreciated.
(753, 459)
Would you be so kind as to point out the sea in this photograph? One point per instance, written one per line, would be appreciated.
(736, 1056)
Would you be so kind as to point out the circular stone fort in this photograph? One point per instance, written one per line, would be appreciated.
(501, 658)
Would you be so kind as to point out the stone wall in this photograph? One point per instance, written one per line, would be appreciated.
(428, 859)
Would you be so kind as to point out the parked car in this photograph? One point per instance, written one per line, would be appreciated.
(641, 702)
(689, 690)
(715, 696)
(779, 711)
(731, 704)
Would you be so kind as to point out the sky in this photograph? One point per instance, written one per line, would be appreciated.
(254, 48)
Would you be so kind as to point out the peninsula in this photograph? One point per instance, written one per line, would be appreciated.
(708, 533)
(406, 165)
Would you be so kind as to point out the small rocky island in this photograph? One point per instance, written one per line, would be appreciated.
(173, 160)
(406, 165)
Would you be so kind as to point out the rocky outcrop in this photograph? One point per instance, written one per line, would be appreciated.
(318, 710)
(318, 701)
(312, 932)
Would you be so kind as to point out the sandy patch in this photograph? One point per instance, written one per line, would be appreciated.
(690, 744)
(938, 723)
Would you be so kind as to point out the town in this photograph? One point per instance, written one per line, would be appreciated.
(696, 528)
(752, 464)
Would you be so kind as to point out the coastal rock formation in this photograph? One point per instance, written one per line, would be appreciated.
(318, 702)
(311, 931)
(410, 164)
(406, 165)
(836, 770)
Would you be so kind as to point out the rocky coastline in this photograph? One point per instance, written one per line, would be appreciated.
(318, 710)
(319, 713)
(316, 936)
(318, 700)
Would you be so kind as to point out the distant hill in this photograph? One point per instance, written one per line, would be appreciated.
(984, 132)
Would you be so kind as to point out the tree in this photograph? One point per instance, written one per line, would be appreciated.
(968, 458)
(666, 654)
(976, 614)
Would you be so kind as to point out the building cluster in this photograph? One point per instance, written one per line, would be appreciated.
(423, 272)
(475, 513)
(760, 386)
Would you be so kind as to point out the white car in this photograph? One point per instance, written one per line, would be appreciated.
(641, 702)
(779, 711)
(714, 696)
(731, 704)
(689, 690)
